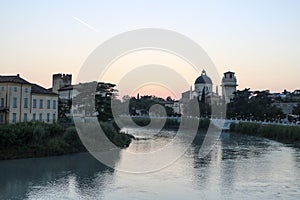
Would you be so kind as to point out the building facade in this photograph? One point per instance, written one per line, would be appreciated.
(22, 101)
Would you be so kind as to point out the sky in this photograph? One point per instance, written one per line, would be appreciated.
(258, 40)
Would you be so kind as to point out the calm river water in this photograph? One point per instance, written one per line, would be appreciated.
(239, 167)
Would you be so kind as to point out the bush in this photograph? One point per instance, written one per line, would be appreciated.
(39, 135)
(112, 131)
(271, 131)
(56, 146)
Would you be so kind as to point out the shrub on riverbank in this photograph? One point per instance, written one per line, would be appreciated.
(276, 132)
(171, 123)
(34, 139)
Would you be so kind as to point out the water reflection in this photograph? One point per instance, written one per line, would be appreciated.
(249, 168)
(29, 177)
(238, 167)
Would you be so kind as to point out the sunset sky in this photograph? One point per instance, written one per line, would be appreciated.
(259, 40)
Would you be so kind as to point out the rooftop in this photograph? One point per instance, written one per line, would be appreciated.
(13, 79)
(36, 89)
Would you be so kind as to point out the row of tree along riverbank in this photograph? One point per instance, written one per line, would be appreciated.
(170, 123)
(281, 133)
(33, 139)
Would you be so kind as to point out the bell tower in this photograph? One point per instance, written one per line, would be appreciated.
(229, 84)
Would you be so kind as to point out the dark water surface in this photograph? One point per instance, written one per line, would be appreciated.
(239, 167)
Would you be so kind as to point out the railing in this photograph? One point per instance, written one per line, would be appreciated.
(226, 122)
(4, 109)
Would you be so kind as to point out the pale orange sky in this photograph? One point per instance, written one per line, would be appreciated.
(259, 40)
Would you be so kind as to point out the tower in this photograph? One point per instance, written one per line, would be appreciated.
(60, 80)
(229, 84)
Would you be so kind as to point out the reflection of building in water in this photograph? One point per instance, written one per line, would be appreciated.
(203, 88)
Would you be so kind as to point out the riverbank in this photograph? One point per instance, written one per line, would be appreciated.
(170, 124)
(34, 139)
(280, 133)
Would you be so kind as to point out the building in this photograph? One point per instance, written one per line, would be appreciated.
(203, 84)
(286, 107)
(60, 80)
(297, 92)
(175, 105)
(22, 101)
(229, 84)
(62, 83)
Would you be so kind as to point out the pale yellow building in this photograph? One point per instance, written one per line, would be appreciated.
(22, 101)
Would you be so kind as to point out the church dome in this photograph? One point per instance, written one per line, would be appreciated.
(203, 79)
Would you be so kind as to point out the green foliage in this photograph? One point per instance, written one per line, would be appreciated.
(253, 105)
(39, 135)
(113, 133)
(144, 103)
(96, 97)
(296, 110)
(64, 107)
(271, 131)
(203, 110)
(34, 139)
(56, 146)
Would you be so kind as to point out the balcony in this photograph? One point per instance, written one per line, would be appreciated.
(4, 109)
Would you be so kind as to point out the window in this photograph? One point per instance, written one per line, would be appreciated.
(15, 89)
(34, 103)
(25, 117)
(25, 102)
(14, 102)
(54, 117)
(2, 102)
(48, 117)
(41, 117)
(26, 90)
(54, 104)
(41, 103)
(14, 117)
(2, 88)
(48, 104)
(34, 117)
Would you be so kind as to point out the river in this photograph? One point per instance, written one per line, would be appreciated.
(238, 167)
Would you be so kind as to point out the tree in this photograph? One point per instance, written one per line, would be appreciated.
(247, 104)
(64, 107)
(125, 98)
(169, 98)
(85, 100)
(296, 110)
(203, 96)
(190, 108)
(95, 98)
(105, 93)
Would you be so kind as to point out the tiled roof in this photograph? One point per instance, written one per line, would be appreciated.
(69, 87)
(36, 89)
(13, 79)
